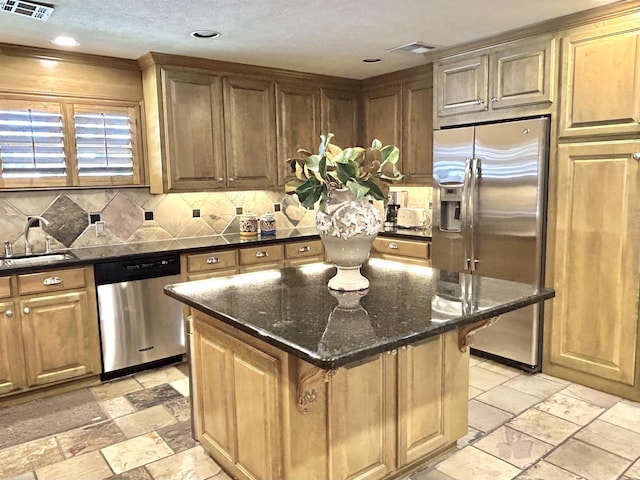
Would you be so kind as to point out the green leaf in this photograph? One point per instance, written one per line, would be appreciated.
(324, 198)
(344, 172)
(360, 191)
(390, 154)
(377, 144)
(374, 190)
(309, 192)
(322, 168)
(312, 162)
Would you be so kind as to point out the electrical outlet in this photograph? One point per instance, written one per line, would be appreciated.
(101, 229)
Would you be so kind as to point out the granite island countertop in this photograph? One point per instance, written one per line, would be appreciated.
(293, 310)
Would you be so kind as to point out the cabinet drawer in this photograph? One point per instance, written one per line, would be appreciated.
(203, 262)
(259, 255)
(404, 248)
(51, 281)
(312, 248)
(5, 287)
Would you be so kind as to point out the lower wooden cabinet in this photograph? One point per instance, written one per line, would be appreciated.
(593, 334)
(264, 414)
(300, 253)
(49, 330)
(401, 250)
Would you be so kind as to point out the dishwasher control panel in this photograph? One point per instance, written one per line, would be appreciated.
(136, 269)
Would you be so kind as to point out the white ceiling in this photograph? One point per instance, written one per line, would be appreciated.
(320, 36)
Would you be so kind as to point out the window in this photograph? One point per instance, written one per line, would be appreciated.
(32, 143)
(68, 144)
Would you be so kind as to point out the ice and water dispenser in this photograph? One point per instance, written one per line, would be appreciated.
(450, 207)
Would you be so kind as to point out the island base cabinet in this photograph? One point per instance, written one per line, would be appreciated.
(262, 413)
(11, 356)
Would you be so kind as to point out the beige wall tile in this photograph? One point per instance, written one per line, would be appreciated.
(84, 467)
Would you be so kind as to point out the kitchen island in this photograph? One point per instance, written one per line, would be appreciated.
(292, 381)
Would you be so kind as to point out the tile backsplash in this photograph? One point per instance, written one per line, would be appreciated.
(135, 215)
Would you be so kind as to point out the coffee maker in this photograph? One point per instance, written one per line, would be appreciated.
(395, 201)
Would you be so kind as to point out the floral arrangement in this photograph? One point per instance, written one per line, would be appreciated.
(366, 172)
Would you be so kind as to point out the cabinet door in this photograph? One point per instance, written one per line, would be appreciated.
(11, 353)
(231, 376)
(298, 122)
(362, 424)
(432, 376)
(340, 116)
(382, 119)
(417, 131)
(521, 74)
(594, 329)
(194, 153)
(601, 71)
(462, 85)
(60, 337)
(250, 132)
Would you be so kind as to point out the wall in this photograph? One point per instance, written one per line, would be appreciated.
(135, 215)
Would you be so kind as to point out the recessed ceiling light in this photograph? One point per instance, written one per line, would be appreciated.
(371, 60)
(63, 41)
(205, 34)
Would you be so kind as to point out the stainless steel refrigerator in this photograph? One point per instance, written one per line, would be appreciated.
(489, 204)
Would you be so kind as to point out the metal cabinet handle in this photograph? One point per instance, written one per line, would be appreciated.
(306, 248)
(231, 179)
(220, 179)
(26, 310)
(393, 246)
(212, 260)
(52, 281)
(494, 99)
(9, 313)
(262, 254)
(636, 156)
(480, 101)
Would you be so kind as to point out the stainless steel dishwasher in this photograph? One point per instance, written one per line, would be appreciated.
(140, 326)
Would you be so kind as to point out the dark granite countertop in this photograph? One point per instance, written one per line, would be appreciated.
(293, 309)
(91, 255)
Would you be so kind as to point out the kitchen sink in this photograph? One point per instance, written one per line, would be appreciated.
(34, 260)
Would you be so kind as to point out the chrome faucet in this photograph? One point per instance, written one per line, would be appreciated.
(30, 221)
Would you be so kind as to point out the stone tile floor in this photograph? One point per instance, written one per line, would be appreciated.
(521, 426)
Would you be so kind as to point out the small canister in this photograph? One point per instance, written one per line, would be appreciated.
(267, 224)
(248, 225)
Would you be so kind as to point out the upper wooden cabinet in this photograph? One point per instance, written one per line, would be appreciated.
(339, 115)
(601, 75)
(481, 85)
(298, 125)
(194, 155)
(398, 109)
(250, 132)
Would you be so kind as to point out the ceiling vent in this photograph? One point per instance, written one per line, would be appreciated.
(27, 9)
(414, 47)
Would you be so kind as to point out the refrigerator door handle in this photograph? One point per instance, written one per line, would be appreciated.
(466, 206)
(473, 197)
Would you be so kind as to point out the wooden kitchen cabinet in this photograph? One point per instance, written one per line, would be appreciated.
(250, 132)
(300, 253)
(217, 263)
(382, 116)
(260, 411)
(298, 124)
(51, 329)
(262, 257)
(402, 250)
(593, 335)
(417, 130)
(601, 78)
(194, 155)
(12, 376)
(514, 79)
(339, 109)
